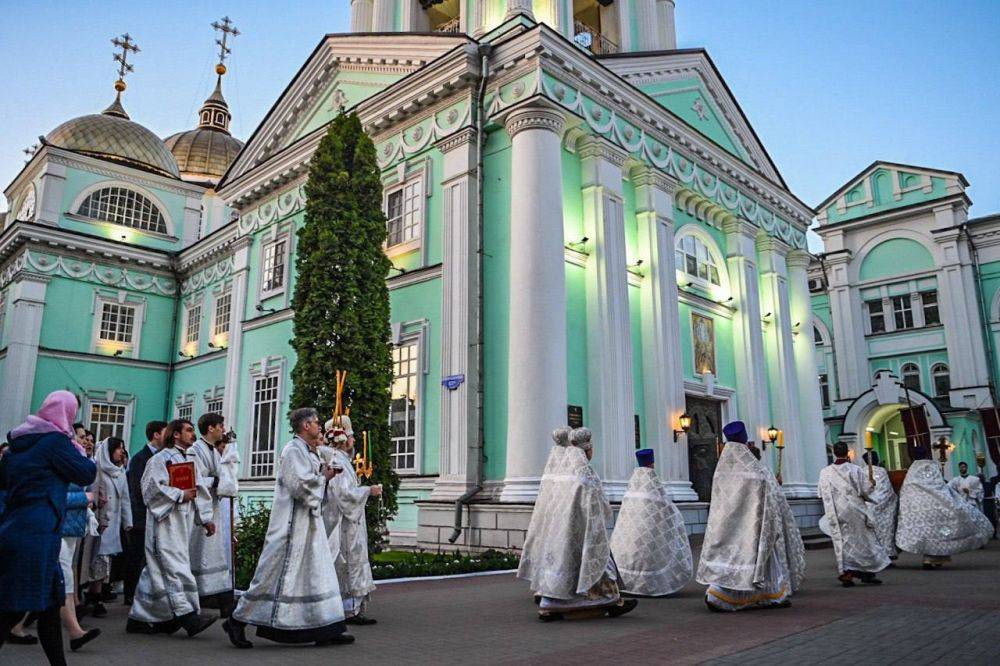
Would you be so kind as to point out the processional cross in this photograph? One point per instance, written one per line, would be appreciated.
(942, 447)
(127, 46)
(226, 27)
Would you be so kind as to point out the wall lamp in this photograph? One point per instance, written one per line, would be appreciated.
(183, 355)
(580, 245)
(118, 352)
(685, 421)
(401, 271)
(215, 346)
(261, 308)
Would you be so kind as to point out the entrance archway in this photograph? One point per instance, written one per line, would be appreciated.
(879, 409)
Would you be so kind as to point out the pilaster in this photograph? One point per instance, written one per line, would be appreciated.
(384, 16)
(515, 7)
(849, 349)
(48, 203)
(663, 374)
(609, 346)
(459, 314)
(234, 344)
(361, 15)
(27, 307)
(536, 380)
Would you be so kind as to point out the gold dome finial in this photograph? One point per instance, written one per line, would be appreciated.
(120, 85)
(220, 69)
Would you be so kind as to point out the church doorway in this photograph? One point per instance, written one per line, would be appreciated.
(703, 443)
(888, 435)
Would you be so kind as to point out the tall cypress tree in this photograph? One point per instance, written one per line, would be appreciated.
(341, 301)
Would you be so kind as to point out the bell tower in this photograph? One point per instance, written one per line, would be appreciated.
(599, 26)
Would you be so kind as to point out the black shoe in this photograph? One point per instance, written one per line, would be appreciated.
(98, 610)
(928, 566)
(237, 632)
(550, 617)
(846, 582)
(361, 620)
(139, 627)
(627, 606)
(712, 607)
(77, 643)
(871, 581)
(194, 623)
(27, 639)
(342, 639)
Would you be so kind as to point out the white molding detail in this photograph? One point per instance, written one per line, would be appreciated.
(88, 271)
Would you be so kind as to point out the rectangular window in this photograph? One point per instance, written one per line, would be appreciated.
(223, 312)
(185, 412)
(193, 325)
(107, 420)
(214, 406)
(404, 213)
(876, 317)
(902, 312)
(403, 410)
(272, 269)
(265, 415)
(929, 299)
(824, 391)
(117, 323)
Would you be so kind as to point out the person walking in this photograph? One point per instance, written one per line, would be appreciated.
(42, 462)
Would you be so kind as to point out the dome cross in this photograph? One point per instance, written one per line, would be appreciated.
(127, 46)
(226, 27)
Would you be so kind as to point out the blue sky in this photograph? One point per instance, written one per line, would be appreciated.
(829, 86)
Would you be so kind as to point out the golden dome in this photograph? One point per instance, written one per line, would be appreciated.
(112, 136)
(202, 154)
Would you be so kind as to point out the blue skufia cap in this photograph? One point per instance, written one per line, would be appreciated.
(736, 432)
(644, 457)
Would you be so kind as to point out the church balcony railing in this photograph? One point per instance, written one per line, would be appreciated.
(454, 25)
(597, 43)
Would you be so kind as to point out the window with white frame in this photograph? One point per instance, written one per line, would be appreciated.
(910, 375)
(192, 326)
(929, 304)
(264, 412)
(272, 267)
(185, 411)
(117, 323)
(695, 259)
(223, 313)
(213, 406)
(107, 419)
(824, 390)
(404, 405)
(876, 316)
(120, 205)
(404, 212)
(942, 380)
(902, 311)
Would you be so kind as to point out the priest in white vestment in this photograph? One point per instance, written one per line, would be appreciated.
(883, 506)
(650, 542)
(344, 515)
(166, 597)
(969, 486)
(209, 562)
(752, 555)
(229, 497)
(846, 491)
(566, 555)
(294, 596)
(935, 520)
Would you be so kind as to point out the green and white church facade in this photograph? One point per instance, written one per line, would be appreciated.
(906, 307)
(585, 229)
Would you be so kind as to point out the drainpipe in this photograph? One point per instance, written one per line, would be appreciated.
(173, 341)
(480, 111)
(990, 351)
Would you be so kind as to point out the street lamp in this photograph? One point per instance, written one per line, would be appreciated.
(685, 421)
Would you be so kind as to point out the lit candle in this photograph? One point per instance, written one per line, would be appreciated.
(868, 440)
(781, 439)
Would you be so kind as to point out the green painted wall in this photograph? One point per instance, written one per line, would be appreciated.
(576, 336)
(895, 256)
(638, 363)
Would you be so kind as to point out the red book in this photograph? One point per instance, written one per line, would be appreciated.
(182, 475)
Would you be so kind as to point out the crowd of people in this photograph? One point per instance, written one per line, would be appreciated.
(79, 519)
(752, 555)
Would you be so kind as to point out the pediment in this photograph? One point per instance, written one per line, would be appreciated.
(341, 72)
(884, 186)
(687, 83)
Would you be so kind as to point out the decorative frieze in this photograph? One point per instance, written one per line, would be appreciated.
(87, 271)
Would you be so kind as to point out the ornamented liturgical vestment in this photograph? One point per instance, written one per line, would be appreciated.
(209, 558)
(752, 554)
(934, 519)
(845, 488)
(883, 508)
(650, 544)
(970, 488)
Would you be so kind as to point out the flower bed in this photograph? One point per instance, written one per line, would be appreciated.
(405, 564)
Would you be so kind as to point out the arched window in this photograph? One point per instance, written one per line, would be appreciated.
(817, 336)
(911, 376)
(694, 259)
(120, 205)
(942, 380)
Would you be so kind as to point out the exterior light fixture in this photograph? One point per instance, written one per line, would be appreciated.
(772, 434)
(685, 422)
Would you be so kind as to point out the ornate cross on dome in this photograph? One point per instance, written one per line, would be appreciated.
(126, 44)
(226, 27)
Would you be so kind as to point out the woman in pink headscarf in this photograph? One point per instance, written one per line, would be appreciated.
(43, 460)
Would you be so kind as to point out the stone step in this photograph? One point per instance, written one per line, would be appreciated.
(816, 540)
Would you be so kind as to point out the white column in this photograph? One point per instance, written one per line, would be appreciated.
(782, 377)
(809, 402)
(415, 18)
(849, 349)
(48, 200)
(625, 18)
(384, 16)
(536, 380)
(751, 373)
(663, 372)
(459, 315)
(515, 7)
(361, 15)
(646, 16)
(609, 335)
(665, 22)
(27, 306)
(234, 346)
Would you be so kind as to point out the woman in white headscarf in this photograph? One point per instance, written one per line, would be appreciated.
(114, 514)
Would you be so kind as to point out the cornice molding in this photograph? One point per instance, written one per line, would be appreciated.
(461, 138)
(534, 117)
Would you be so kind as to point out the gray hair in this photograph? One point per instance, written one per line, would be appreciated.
(580, 438)
(561, 435)
(298, 417)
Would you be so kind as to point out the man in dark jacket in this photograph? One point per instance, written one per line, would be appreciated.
(135, 552)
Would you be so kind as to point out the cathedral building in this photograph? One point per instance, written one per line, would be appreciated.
(584, 226)
(906, 312)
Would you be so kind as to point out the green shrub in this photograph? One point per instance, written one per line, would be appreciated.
(250, 533)
(400, 564)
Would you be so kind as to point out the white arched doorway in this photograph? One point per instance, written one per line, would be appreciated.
(879, 405)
